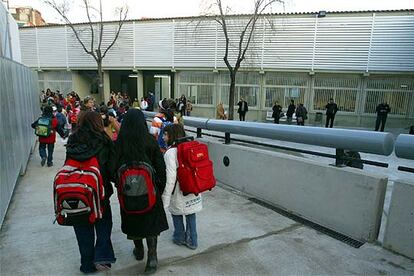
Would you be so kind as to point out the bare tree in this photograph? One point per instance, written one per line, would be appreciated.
(95, 49)
(245, 39)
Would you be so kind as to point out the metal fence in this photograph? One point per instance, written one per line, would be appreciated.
(19, 108)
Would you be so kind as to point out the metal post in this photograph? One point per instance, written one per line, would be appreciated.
(199, 132)
(339, 161)
(227, 138)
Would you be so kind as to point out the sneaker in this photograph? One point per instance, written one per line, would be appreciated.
(50, 164)
(103, 267)
(43, 162)
(179, 243)
(192, 247)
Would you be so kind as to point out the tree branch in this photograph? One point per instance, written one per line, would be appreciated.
(101, 26)
(226, 35)
(122, 19)
(90, 26)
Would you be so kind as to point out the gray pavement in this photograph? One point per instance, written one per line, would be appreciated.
(236, 237)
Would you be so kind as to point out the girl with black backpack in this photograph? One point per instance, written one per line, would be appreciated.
(136, 146)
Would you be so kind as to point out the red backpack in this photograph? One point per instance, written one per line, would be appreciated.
(78, 191)
(136, 188)
(195, 169)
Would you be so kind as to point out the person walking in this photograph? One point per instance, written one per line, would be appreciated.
(189, 108)
(47, 138)
(277, 110)
(182, 105)
(180, 206)
(331, 109)
(243, 109)
(135, 144)
(88, 140)
(290, 112)
(301, 115)
(382, 112)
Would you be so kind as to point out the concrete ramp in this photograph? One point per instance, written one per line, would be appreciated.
(346, 200)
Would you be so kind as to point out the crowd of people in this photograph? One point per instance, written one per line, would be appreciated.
(116, 135)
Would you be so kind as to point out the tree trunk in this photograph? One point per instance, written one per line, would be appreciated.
(100, 81)
(231, 95)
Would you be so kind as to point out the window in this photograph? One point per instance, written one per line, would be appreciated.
(198, 87)
(56, 80)
(344, 91)
(247, 87)
(283, 87)
(397, 92)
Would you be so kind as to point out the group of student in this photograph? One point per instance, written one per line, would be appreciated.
(134, 142)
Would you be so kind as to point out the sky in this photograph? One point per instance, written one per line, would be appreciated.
(177, 8)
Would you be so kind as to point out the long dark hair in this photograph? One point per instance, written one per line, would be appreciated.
(174, 131)
(91, 128)
(131, 141)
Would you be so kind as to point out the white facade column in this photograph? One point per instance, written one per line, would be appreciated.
(107, 87)
(140, 85)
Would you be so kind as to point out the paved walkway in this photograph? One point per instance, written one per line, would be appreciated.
(236, 236)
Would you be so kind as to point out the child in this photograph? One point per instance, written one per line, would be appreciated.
(49, 141)
(173, 198)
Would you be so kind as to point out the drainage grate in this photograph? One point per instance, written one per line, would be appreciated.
(338, 236)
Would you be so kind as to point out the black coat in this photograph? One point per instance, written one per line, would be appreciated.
(100, 147)
(277, 109)
(155, 221)
(291, 110)
(244, 104)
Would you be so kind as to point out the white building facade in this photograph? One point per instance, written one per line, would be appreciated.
(358, 58)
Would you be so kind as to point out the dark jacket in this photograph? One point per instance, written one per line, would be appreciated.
(291, 110)
(155, 221)
(331, 108)
(104, 151)
(277, 109)
(383, 110)
(301, 112)
(244, 105)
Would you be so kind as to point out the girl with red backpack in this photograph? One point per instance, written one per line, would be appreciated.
(173, 198)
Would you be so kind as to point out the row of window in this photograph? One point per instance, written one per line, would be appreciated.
(205, 88)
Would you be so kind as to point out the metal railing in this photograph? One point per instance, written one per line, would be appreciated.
(379, 143)
(404, 148)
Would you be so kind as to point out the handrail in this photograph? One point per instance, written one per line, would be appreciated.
(345, 139)
(404, 146)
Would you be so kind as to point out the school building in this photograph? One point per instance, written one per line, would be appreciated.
(358, 58)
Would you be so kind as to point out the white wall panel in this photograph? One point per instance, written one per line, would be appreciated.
(393, 44)
(342, 43)
(122, 53)
(153, 42)
(52, 47)
(289, 43)
(28, 47)
(195, 43)
(77, 57)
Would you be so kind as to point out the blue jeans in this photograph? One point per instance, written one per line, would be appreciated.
(101, 252)
(49, 155)
(188, 235)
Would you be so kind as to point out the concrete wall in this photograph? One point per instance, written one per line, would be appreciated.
(399, 232)
(81, 84)
(345, 200)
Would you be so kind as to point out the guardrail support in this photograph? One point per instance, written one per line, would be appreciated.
(227, 138)
(339, 160)
(199, 132)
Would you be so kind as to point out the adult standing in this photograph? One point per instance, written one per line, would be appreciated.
(220, 113)
(89, 139)
(189, 108)
(182, 105)
(331, 109)
(144, 104)
(277, 109)
(243, 109)
(301, 115)
(382, 112)
(290, 111)
(135, 144)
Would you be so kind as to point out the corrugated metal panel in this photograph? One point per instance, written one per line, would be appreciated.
(153, 42)
(289, 43)
(28, 47)
(194, 43)
(342, 43)
(122, 53)
(52, 48)
(76, 55)
(393, 44)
